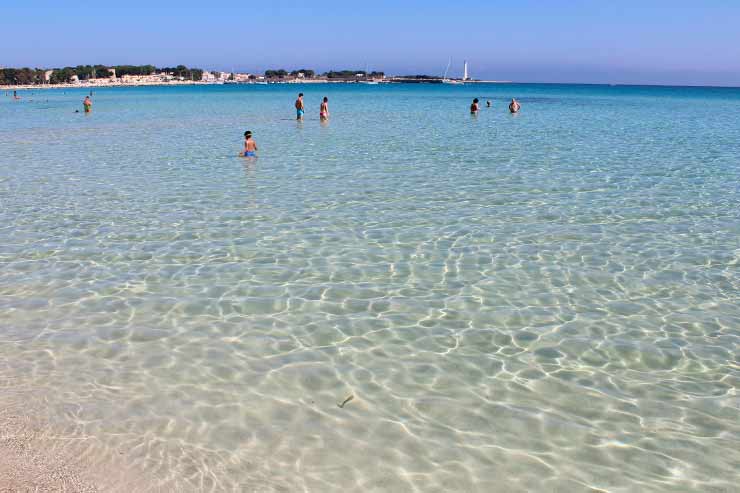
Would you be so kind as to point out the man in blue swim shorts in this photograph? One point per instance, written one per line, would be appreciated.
(250, 146)
(300, 108)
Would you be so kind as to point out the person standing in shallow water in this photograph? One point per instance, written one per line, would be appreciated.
(324, 112)
(87, 103)
(514, 106)
(250, 146)
(475, 107)
(300, 107)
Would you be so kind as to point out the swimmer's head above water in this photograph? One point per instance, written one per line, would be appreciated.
(514, 106)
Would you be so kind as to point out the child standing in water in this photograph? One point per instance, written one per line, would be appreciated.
(324, 112)
(250, 146)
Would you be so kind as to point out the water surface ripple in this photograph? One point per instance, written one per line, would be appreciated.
(544, 302)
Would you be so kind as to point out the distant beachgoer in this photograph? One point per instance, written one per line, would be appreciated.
(514, 106)
(300, 107)
(87, 103)
(250, 146)
(488, 103)
(475, 107)
(324, 112)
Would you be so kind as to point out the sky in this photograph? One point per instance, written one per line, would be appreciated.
(678, 42)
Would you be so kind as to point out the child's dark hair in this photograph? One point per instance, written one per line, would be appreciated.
(475, 100)
(248, 133)
(326, 100)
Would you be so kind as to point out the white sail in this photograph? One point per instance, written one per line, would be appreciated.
(445, 80)
(465, 71)
(447, 69)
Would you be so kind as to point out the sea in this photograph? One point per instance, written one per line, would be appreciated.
(406, 298)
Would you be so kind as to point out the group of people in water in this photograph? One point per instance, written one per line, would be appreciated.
(514, 106)
(250, 146)
(300, 108)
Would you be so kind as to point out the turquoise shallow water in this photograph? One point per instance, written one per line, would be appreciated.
(541, 302)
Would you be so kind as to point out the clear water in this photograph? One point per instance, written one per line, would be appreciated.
(541, 302)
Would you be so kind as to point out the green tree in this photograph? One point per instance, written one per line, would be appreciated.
(345, 74)
(274, 74)
(308, 73)
(101, 72)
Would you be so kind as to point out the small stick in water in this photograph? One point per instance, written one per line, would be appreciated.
(341, 406)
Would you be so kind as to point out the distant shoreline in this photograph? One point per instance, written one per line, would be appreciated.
(394, 81)
(83, 85)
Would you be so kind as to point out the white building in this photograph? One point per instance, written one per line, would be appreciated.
(145, 79)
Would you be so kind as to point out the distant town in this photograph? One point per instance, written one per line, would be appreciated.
(148, 75)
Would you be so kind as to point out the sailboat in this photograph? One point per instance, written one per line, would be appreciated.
(465, 71)
(445, 80)
(370, 82)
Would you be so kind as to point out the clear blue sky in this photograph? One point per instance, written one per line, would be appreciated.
(622, 41)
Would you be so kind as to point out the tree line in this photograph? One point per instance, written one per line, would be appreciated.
(332, 74)
(281, 73)
(28, 76)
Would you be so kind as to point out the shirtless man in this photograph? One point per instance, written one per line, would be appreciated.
(250, 146)
(324, 112)
(475, 107)
(514, 106)
(87, 103)
(300, 108)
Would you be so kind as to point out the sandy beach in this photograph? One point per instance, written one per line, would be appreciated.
(29, 465)
(37, 457)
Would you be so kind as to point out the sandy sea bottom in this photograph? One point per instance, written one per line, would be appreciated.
(541, 302)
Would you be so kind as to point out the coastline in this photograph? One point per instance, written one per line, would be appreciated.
(83, 85)
(98, 86)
